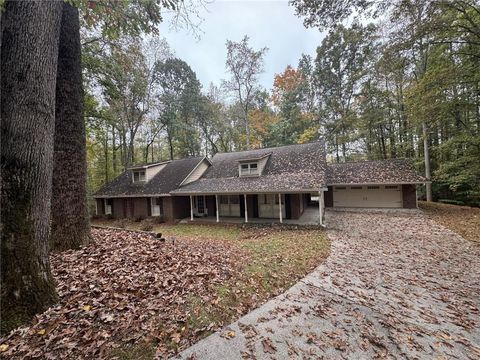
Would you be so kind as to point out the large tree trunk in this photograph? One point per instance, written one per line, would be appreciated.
(28, 66)
(70, 222)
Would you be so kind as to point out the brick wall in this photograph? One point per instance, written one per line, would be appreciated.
(328, 197)
(140, 207)
(409, 195)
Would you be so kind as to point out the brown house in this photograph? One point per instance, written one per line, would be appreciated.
(144, 190)
(278, 183)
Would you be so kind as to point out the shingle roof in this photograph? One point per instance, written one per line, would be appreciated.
(288, 168)
(394, 171)
(168, 179)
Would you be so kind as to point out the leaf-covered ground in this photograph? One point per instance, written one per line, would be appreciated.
(464, 220)
(130, 296)
(396, 286)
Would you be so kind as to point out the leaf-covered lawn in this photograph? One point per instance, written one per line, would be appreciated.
(131, 296)
(463, 220)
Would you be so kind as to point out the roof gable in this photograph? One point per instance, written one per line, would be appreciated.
(163, 182)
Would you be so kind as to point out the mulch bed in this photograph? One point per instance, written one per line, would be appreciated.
(126, 288)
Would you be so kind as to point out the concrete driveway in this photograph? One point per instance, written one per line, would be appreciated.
(396, 285)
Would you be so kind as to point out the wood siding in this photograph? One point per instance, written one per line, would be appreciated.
(197, 172)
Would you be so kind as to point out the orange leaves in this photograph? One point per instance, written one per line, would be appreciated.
(285, 82)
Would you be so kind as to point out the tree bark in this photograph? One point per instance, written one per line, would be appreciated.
(70, 222)
(28, 66)
(426, 155)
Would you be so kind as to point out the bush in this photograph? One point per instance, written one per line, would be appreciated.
(451, 202)
(122, 223)
(147, 225)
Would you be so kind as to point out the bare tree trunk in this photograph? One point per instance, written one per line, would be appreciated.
(105, 153)
(28, 66)
(426, 153)
(247, 129)
(114, 152)
(70, 221)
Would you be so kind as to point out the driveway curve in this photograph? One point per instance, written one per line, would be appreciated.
(396, 285)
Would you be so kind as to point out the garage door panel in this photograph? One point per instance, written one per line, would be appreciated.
(379, 196)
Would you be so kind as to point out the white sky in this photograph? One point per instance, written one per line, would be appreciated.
(270, 23)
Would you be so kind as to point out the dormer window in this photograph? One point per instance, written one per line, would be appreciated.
(248, 169)
(139, 176)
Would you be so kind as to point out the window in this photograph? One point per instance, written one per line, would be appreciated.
(356, 188)
(138, 176)
(391, 187)
(373, 187)
(249, 169)
(108, 206)
(234, 199)
(224, 199)
(157, 206)
(266, 199)
(340, 188)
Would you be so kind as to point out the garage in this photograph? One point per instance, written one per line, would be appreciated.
(368, 196)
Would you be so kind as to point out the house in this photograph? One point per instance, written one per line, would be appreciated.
(278, 183)
(144, 190)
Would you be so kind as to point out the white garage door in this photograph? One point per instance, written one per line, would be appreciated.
(378, 196)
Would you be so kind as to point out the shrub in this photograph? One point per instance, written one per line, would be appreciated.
(122, 223)
(451, 202)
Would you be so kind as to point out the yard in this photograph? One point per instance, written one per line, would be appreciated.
(131, 296)
(463, 220)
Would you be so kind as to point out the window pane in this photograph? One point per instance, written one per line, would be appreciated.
(223, 199)
(244, 166)
(234, 199)
(253, 166)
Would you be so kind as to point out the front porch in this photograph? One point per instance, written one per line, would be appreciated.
(283, 208)
(309, 217)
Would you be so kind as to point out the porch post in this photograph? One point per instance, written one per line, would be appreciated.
(246, 209)
(216, 207)
(191, 208)
(280, 207)
(320, 206)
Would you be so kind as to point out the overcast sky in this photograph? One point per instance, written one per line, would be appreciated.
(270, 23)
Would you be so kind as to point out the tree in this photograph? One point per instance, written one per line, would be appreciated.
(420, 96)
(29, 53)
(244, 64)
(179, 94)
(70, 219)
(290, 95)
(341, 67)
(326, 14)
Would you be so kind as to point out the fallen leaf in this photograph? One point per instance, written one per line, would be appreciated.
(176, 337)
(268, 346)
